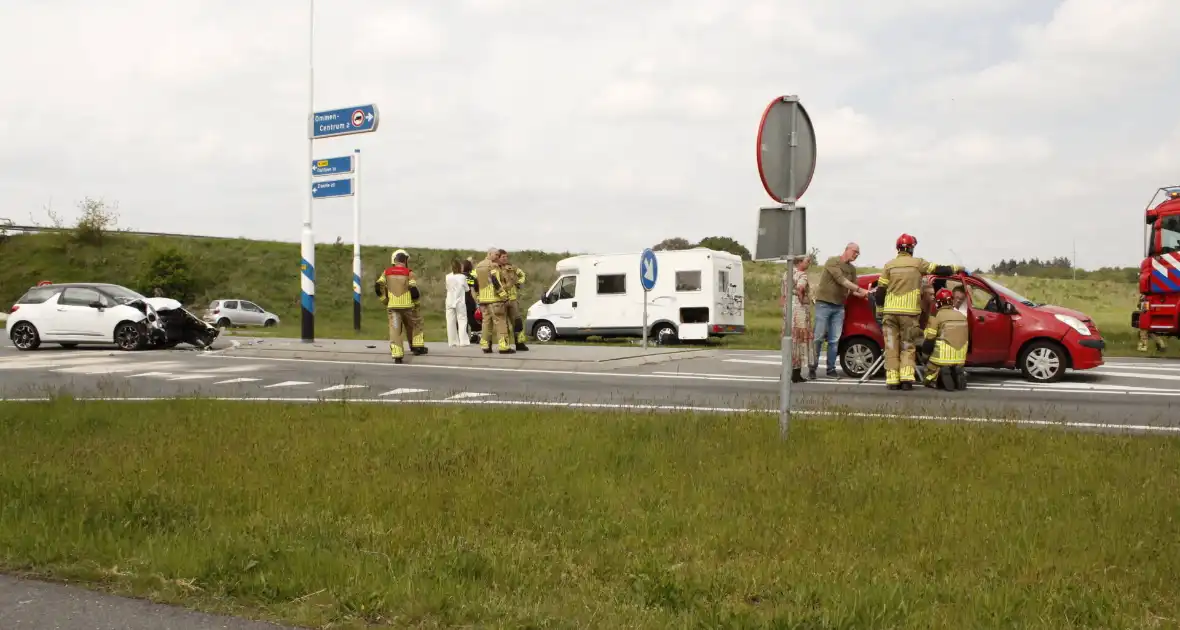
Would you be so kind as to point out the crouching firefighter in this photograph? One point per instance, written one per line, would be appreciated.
(946, 338)
(398, 289)
(901, 306)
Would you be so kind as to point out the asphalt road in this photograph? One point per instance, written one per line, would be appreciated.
(1133, 393)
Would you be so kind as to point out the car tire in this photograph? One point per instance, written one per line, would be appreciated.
(544, 331)
(270, 323)
(130, 337)
(224, 323)
(1043, 361)
(24, 337)
(857, 355)
(664, 335)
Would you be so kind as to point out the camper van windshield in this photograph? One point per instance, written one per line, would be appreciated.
(564, 289)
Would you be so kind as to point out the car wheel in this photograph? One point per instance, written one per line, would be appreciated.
(544, 331)
(1043, 362)
(129, 337)
(858, 355)
(664, 335)
(270, 323)
(223, 323)
(25, 336)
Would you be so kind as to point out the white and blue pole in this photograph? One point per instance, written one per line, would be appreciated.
(356, 240)
(307, 247)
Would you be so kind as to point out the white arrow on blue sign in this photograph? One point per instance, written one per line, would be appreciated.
(648, 269)
(332, 166)
(344, 121)
(332, 188)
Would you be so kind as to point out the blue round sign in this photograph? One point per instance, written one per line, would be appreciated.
(648, 269)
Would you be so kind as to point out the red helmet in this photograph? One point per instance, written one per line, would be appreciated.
(944, 297)
(906, 242)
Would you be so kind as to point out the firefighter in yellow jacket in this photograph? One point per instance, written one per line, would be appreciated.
(418, 342)
(492, 296)
(899, 299)
(513, 279)
(398, 289)
(945, 342)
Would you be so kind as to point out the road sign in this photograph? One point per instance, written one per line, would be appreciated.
(332, 166)
(782, 232)
(332, 188)
(344, 121)
(786, 149)
(648, 269)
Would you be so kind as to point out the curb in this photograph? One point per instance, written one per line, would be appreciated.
(511, 362)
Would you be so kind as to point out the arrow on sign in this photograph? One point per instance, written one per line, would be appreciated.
(647, 271)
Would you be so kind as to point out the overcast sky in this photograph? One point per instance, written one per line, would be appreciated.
(993, 128)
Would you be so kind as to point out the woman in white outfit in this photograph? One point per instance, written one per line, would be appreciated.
(456, 306)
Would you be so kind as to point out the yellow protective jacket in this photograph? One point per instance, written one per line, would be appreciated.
(899, 289)
(489, 285)
(948, 331)
(397, 287)
(513, 279)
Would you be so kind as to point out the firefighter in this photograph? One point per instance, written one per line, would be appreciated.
(398, 289)
(418, 342)
(946, 338)
(492, 297)
(901, 305)
(1145, 335)
(514, 278)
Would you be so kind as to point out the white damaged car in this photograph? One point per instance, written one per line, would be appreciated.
(72, 314)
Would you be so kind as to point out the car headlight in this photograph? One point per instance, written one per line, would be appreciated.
(1073, 323)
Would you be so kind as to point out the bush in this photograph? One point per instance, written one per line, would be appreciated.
(173, 273)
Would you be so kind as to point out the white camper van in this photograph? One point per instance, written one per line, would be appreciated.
(698, 293)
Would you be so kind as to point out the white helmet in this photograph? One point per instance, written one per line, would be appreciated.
(393, 256)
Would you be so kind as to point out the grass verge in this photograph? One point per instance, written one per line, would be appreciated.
(427, 516)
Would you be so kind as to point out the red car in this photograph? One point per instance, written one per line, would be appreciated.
(1007, 330)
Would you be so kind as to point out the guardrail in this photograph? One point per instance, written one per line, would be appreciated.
(8, 226)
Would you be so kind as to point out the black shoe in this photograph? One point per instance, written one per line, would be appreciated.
(520, 347)
(398, 360)
(486, 350)
(893, 387)
(907, 386)
(418, 351)
(797, 376)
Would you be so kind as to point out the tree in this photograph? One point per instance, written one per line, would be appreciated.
(725, 244)
(173, 273)
(94, 221)
(672, 244)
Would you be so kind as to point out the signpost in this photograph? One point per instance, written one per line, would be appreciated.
(649, 270)
(786, 164)
(356, 242)
(331, 123)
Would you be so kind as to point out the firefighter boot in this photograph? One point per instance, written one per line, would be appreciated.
(418, 345)
(520, 336)
(960, 377)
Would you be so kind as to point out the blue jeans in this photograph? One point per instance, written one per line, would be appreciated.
(829, 323)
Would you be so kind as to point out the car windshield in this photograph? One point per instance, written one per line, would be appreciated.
(1009, 293)
(121, 294)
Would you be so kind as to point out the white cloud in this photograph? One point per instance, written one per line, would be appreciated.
(991, 128)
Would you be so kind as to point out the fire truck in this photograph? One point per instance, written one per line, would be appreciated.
(1159, 273)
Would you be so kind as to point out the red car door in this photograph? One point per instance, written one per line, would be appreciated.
(990, 329)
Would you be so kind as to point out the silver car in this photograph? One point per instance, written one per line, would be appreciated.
(226, 313)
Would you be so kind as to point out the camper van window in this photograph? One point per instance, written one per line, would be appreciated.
(688, 280)
(723, 281)
(613, 284)
(567, 290)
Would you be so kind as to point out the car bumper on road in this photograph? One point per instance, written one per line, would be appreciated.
(1087, 353)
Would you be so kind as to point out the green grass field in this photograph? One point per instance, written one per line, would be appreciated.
(268, 273)
(342, 515)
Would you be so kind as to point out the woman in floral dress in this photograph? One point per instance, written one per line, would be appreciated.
(803, 329)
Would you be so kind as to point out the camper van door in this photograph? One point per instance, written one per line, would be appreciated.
(562, 304)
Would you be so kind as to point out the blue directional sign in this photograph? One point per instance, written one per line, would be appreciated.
(332, 166)
(332, 188)
(343, 122)
(648, 269)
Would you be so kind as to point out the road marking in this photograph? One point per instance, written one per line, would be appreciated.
(401, 390)
(288, 384)
(724, 376)
(462, 395)
(1143, 428)
(192, 377)
(116, 366)
(336, 388)
(1153, 377)
(36, 364)
(238, 380)
(755, 361)
(151, 374)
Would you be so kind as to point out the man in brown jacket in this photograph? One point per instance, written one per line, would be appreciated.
(836, 282)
